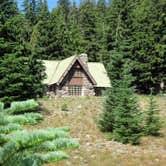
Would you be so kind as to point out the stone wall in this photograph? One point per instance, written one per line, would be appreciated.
(87, 87)
(62, 89)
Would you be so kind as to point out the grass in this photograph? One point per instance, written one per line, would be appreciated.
(96, 149)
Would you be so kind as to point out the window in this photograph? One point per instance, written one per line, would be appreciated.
(75, 90)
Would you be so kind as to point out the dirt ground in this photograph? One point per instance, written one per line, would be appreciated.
(95, 149)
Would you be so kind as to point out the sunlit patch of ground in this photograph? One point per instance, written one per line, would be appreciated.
(95, 149)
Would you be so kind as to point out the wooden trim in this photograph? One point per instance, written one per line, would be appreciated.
(84, 68)
(87, 71)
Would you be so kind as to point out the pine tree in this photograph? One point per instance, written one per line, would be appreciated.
(35, 10)
(19, 78)
(65, 6)
(50, 39)
(101, 31)
(119, 32)
(7, 11)
(107, 120)
(87, 22)
(30, 10)
(152, 120)
(121, 115)
(148, 45)
(22, 147)
(43, 12)
(75, 43)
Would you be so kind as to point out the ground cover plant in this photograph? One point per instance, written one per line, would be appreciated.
(23, 147)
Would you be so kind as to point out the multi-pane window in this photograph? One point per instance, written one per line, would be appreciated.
(75, 90)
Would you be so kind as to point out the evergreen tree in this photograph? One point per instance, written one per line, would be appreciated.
(75, 42)
(127, 126)
(107, 120)
(115, 67)
(152, 120)
(22, 147)
(34, 10)
(122, 116)
(8, 10)
(51, 36)
(136, 28)
(65, 6)
(148, 46)
(19, 78)
(43, 12)
(119, 31)
(87, 21)
(101, 31)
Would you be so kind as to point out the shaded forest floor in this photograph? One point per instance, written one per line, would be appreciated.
(95, 149)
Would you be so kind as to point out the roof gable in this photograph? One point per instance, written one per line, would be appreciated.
(57, 70)
(76, 58)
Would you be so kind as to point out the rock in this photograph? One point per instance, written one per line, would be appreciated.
(93, 156)
(68, 163)
(79, 106)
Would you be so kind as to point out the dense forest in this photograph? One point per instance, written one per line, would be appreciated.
(109, 32)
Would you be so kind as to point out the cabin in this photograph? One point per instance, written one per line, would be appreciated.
(75, 76)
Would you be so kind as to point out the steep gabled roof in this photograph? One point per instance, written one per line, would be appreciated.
(68, 67)
(57, 70)
(99, 73)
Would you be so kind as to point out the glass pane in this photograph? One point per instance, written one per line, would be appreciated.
(75, 90)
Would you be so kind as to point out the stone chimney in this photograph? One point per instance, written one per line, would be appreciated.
(84, 58)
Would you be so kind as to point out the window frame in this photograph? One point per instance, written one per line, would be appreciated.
(75, 90)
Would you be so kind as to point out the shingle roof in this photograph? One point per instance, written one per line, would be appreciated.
(99, 73)
(56, 69)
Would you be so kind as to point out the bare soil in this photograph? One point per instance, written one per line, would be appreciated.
(95, 148)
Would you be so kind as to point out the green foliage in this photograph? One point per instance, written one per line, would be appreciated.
(28, 105)
(148, 44)
(36, 147)
(106, 120)
(61, 143)
(3, 138)
(20, 72)
(64, 107)
(134, 29)
(9, 128)
(53, 156)
(27, 118)
(153, 123)
(1, 106)
(121, 115)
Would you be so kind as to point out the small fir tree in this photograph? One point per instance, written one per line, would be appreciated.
(21, 147)
(127, 127)
(107, 120)
(152, 122)
(122, 116)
